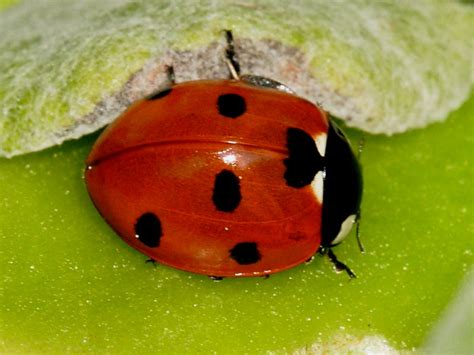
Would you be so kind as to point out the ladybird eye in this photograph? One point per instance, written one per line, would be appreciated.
(148, 230)
(231, 105)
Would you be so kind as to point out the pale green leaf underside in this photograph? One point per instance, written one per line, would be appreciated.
(68, 68)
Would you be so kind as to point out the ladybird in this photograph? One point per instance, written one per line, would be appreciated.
(226, 178)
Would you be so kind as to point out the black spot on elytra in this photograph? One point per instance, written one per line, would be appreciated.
(159, 94)
(226, 195)
(304, 160)
(245, 253)
(148, 230)
(231, 105)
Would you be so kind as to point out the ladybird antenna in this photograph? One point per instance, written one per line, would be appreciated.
(359, 242)
(360, 148)
(231, 57)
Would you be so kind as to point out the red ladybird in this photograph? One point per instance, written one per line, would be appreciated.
(226, 177)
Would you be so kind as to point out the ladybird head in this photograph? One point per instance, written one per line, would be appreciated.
(342, 188)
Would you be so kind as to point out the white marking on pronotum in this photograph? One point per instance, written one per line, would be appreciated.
(321, 140)
(346, 227)
(317, 186)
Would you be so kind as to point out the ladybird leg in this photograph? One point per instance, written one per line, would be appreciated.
(340, 266)
(266, 276)
(151, 261)
(170, 75)
(216, 278)
(165, 89)
(231, 57)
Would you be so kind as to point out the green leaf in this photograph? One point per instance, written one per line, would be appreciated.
(454, 332)
(69, 284)
(70, 67)
(7, 3)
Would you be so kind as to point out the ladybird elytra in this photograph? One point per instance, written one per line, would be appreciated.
(162, 156)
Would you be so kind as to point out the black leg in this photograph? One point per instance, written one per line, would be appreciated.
(216, 278)
(170, 75)
(339, 265)
(231, 57)
(151, 261)
(164, 90)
